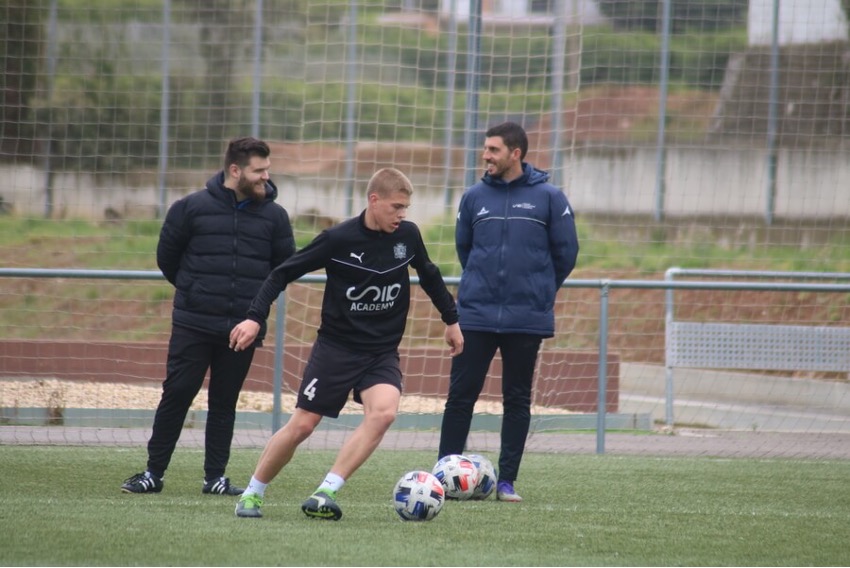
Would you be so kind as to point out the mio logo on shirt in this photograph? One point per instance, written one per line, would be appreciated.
(373, 298)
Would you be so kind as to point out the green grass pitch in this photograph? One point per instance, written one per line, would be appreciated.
(63, 506)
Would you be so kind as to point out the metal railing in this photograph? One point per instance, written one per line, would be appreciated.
(603, 285)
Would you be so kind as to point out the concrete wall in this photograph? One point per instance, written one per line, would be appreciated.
(717, 181)
(800, 22)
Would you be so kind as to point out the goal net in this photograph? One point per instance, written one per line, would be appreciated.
(701, 134)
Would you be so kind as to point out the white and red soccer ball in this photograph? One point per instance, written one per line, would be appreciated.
(487, 477)
(458, 475)
(418, 496)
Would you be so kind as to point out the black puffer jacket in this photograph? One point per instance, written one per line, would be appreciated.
(217, 253)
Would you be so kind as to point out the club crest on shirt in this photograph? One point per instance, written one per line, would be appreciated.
(400, 251)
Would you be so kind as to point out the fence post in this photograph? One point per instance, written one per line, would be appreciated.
(280, 322)
(668, 370)
(603, 367)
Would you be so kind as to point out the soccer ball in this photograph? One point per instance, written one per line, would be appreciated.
(418, 496)
(487, 477)
(458, 475)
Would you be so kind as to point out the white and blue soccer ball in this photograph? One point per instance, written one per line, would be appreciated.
(487, 477)
(458, 475)
(418, 496)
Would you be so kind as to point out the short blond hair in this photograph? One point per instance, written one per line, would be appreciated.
(387, 180)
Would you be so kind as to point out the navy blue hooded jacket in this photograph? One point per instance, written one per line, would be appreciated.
(217, 253)
(517, 244)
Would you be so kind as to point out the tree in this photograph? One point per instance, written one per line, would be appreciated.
(21, 29)
(224, 25)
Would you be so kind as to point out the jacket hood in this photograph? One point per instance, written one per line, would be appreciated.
(216, 185)
(530, 176)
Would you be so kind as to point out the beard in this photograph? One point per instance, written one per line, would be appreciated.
(248, 190)
(498, 170)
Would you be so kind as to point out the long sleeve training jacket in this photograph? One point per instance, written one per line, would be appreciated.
(517, 244)
(367, 294)
(217, 252)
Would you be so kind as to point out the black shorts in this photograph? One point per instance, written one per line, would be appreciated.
(334, 371)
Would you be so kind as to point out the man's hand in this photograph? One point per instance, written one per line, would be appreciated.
(454, 338)
(243, 335)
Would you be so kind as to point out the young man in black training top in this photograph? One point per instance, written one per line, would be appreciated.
(364, 313)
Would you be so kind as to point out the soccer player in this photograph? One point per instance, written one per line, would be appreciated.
(364, 313)
(216, 247)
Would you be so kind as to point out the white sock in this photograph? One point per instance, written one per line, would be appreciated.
(333, 482)
(256, 487)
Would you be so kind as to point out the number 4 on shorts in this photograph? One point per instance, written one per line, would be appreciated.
(310, 389)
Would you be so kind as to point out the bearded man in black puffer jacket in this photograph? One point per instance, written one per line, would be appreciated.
(216, 247)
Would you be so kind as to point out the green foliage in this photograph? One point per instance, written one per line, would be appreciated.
(700, 60)
(105, 117)
(523, 64)
(388, 112)
(440, 238)
(283, 104)
(595, 510)
(87, 11)
(21, 33)
(685, 15)
(696, 60)
(132, 245)
(625, 57)
(102, 121)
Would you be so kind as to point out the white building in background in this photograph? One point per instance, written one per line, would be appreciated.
(800, 22)
(525, 11)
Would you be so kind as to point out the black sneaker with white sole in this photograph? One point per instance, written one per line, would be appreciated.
(322, 505)
(221, 486)
(142, 483)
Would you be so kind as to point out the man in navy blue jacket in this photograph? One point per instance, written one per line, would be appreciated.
(516, 241)
(216, 246)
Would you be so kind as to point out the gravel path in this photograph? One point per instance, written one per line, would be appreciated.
(680, 442)
(683, 443)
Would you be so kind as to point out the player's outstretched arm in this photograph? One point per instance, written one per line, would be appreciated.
(244, 334)
(454, 338)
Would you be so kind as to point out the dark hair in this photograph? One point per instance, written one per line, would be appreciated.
(513, 135)
(241, 150)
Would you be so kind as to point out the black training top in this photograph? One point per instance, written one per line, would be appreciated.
(367, 294)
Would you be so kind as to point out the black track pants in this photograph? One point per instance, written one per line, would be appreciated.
(469, 371)
(190, 355)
